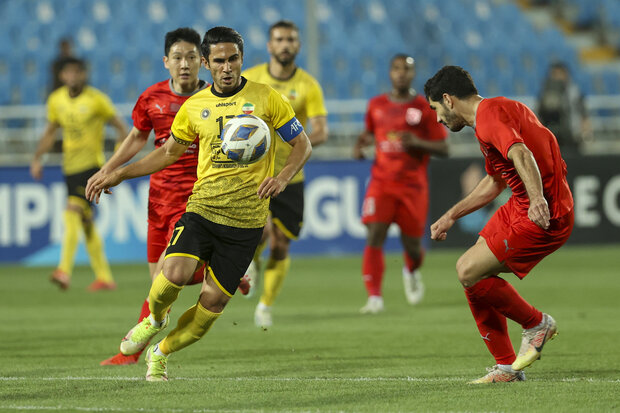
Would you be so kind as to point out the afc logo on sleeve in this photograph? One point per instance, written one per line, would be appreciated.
(295, 126)
(413, 116)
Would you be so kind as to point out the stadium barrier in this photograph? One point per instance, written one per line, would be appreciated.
(31, 212)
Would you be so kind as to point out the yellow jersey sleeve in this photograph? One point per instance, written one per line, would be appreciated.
(105, 106)
(315, 105)
(280, 109)
(182, 129)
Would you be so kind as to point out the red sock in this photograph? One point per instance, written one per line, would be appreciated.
(493, 329)
(411, 263)
(145, 312)
(502, 296)
(373, 266)
(199, 275)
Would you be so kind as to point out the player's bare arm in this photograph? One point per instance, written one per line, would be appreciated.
(411, 141)
(45, 144)
(272, 186)
(365, 139)
(486, 191)
(155, 161)
(528, 171)
(121, 128)
(129, 147)
(318, 125)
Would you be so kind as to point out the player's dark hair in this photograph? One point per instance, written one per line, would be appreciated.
(70, 60)
(185, 34)
(401, 56)
(283, 24)
(220, 34)
(453, 80)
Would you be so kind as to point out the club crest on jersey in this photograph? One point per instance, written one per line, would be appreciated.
(292, 94)
(247, 108)
(205, 113)
(413, 116)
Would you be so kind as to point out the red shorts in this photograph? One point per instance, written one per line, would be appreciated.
(519, 243)
(161, 222)
(405, 205)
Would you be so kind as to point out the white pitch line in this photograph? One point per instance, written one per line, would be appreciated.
(300, 379)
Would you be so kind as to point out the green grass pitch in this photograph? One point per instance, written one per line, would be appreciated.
(321, 354)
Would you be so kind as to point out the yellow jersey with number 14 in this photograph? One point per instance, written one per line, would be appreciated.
(82, 119)
(225, 191)
(305, 95)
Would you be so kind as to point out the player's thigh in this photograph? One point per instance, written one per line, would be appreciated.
(233, 250)
(478, 263)
(178, 269)
(192, 238)
(519, 243)
(161, 222)
(287, 210)
(380, 204)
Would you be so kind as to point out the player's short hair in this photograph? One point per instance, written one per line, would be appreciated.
(220, 34)
(70, 60)
(185, 34)
(403, 56)
(453, 80)
(283, 24)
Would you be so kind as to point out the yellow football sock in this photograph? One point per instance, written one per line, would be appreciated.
(161, 296)
(275, 273)
(94, 246)
(70, 240)
(192, 325)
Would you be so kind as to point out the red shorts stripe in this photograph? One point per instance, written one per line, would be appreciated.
(518, 242)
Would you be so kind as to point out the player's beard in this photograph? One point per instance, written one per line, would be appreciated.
(454, 122)
(286, 60)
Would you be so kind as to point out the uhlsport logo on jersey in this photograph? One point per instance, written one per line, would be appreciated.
(247, 108)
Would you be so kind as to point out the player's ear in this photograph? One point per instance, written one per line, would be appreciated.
(165, 60)
(448, 101)
(205, 62)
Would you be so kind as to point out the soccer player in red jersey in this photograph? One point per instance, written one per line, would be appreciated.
(405, 133)
(170, 187)
(522, 154)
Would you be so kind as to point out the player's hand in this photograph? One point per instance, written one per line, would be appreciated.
(271, 187)
(101, 182)
(357, 152)
(538, 212)
(439, 230)
(36, 169)
(409, 140)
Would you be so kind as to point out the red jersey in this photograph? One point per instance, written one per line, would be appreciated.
(502, 122)
(155, 110)
(393, 163)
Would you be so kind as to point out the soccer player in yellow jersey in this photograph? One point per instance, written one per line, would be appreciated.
(287, 210)
(228, 208)
(82, 112)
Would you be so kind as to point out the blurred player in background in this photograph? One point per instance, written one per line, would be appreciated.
(229, 205)
(520, 153)
(405, 132)
(170, 187)
(82, 112)
(287, 210)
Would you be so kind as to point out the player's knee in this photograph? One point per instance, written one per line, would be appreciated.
(465, 271)
(213, 300)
